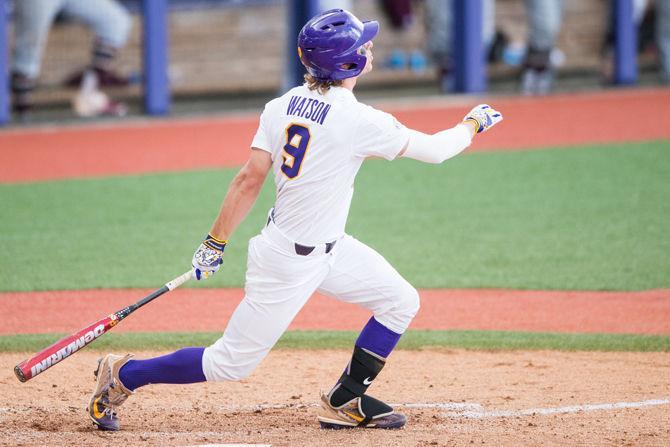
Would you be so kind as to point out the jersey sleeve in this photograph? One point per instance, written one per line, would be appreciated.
(379, 134)
(261, 139)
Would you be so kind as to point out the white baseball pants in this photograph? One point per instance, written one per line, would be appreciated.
(278, 284)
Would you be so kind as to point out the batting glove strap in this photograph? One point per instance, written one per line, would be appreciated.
(214, 243)
(484, 117)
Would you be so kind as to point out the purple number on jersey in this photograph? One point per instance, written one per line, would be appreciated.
(297, 143)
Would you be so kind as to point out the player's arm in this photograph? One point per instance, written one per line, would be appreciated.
(242, 194)
(448, 143)
(239, 200)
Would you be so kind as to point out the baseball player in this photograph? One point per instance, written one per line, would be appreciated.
(314, 139)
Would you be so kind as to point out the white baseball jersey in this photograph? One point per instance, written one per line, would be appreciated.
(318, 143)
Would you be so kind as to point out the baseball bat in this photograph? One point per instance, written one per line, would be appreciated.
(70, 344)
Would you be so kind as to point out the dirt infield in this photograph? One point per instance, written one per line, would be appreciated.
(202, 310)
(450, 397)
(174, 145)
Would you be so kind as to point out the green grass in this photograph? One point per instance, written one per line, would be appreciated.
(591, 218)
(413, 339)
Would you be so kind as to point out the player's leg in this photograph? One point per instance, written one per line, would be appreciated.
(663, 37)
(107, 18)
(362, 276)
(544, 24)
(111, 24)
(278, 284)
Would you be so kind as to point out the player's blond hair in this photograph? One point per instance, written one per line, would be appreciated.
(320, 86)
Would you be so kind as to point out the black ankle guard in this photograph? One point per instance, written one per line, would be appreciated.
(372, 408)
(354, 382)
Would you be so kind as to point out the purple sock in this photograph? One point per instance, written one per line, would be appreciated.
(377, 338)
(183, 366)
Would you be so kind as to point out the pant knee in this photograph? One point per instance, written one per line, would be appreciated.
(125, 24)
(410, 302)
(405, 305)
(116, 29)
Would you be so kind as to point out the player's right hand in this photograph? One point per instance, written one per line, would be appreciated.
(483, 117)
(208, 257)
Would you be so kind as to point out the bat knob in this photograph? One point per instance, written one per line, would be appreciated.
(19, 374)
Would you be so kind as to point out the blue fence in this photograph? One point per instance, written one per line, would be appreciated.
(156, 84)
(469, 53)
(470, 75)
(625, 45)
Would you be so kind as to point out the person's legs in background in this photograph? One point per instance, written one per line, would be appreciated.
(438, 20)
(32, 22)
(663, 37)
(111, 24)
(544, 24)
(404, 53)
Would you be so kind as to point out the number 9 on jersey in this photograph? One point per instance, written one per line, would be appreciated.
(297, 143)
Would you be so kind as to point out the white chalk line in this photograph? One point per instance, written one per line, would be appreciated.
(231, 445)
(456, 406)
(483, 414)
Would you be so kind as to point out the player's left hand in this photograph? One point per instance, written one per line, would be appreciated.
(483, 117)
(208, 257)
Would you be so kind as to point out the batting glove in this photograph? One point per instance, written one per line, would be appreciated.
(483, 117)
(208, 257)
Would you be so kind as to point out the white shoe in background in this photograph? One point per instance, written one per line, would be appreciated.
(90, 101)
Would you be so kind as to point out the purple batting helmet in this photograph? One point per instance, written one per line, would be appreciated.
(328, 44)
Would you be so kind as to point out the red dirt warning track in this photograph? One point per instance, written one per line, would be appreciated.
(198, 310)
(174, 145)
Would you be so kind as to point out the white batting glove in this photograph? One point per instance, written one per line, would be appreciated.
(483, 117)
(208, 257)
